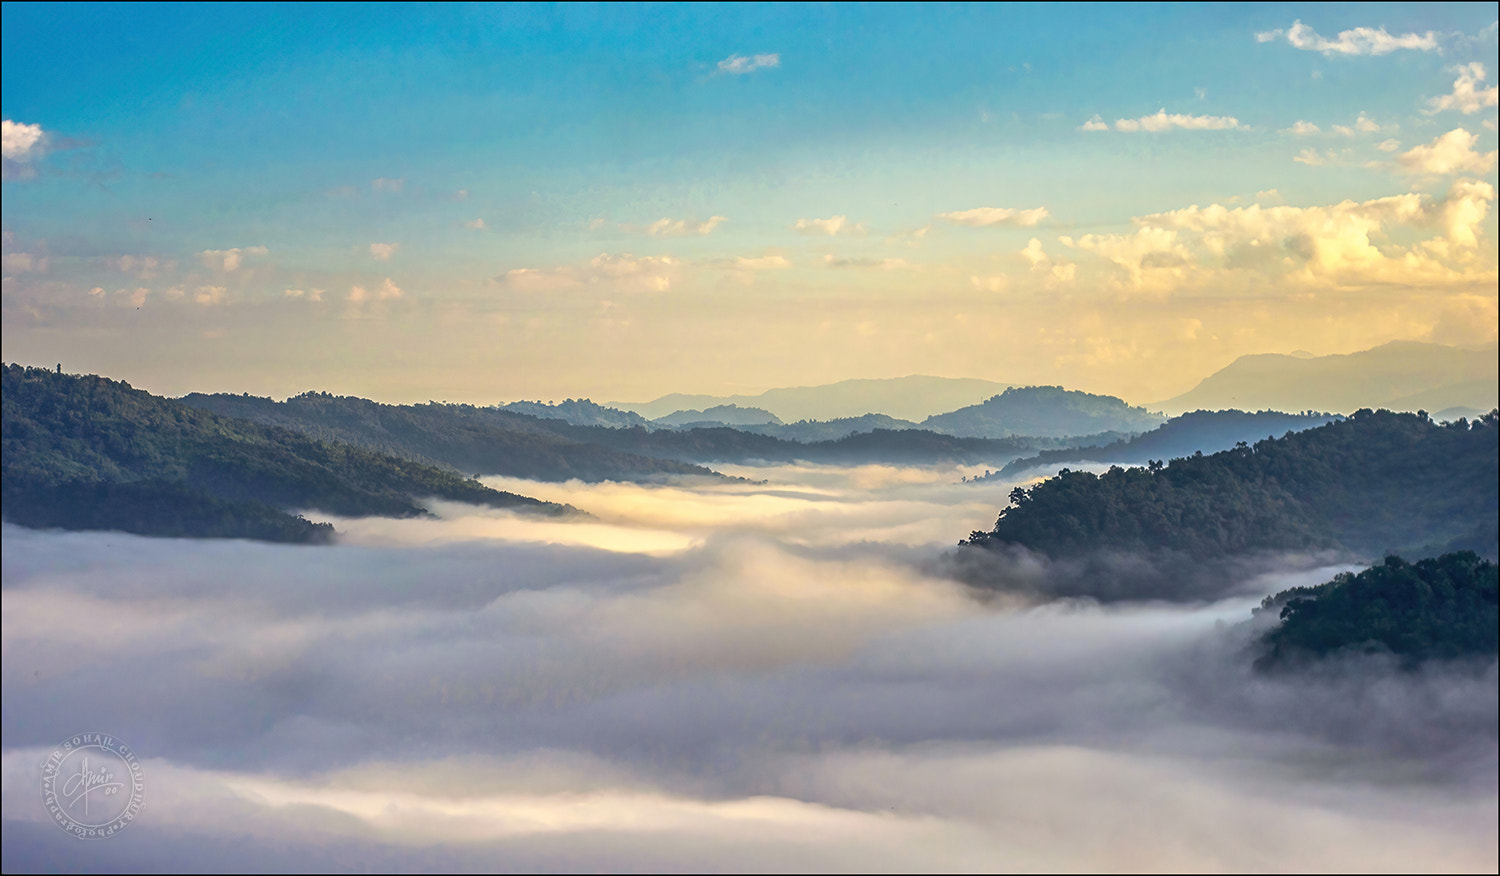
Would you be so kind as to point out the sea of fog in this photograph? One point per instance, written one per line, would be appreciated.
(762, 674)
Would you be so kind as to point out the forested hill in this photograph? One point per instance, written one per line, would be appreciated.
(1377, 482)
(93, 453)
(1200, 431)
(1043, 411)
(465, 437)
(1442, 608)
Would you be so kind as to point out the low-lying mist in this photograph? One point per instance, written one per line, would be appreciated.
(708, 676)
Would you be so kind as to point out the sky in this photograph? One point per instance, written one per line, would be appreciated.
(770, 674)
(486, 203)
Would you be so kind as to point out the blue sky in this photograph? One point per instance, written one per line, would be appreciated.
(520, 201)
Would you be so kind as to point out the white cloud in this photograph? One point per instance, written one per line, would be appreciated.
(741, 64)
(1344, 244)
(1161, 120)
(1366, 125)
(24, 263)
(620, 271)
(1303, 129)
(383, 251)
(762, 263)
(385, 184)
(1388, 145)
(1094, 124)
(1314, 158)
(144, 267)
(985, 216)
(477, 224)
(1469, 95)
(210, 295)
(1034, 254)
(17, 140)
(666, 227)
(830, 226)
(389, 290)
(1452, 152)
(229, 259)
(1357, 41)
(537, 280)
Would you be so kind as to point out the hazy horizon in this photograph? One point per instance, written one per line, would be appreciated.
(489, 203)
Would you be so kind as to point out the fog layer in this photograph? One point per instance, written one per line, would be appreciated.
(706, 676)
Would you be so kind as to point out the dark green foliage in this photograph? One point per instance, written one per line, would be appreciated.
(1376, 482)
(1435, 609)
(463, 437)
(88, 452)
(1200, 431)
(155, 507)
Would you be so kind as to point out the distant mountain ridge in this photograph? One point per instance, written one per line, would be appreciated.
(906, 398)
(720, 415)
(1401, 375)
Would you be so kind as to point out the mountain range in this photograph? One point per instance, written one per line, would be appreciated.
(907, 398)
(1401, 376)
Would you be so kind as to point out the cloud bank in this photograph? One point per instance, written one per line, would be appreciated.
(708, 676)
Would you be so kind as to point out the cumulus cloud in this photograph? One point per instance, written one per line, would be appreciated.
(832, 226)
(741, 64)
(1341, 245)
(762, 263)
(1303, 129)
(1315, 158)
(1355, 41)
(25, 263)
(1449, 153)
(383, 251)
(211, 295)
(229, 259)
(620, 271)
(986, 216)
(666, 227)
(20, 146)
(18, 140)
(309, 294)
(1161, 120)
(1469, 94)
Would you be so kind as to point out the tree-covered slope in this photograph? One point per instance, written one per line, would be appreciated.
(1445, 608)
(1043, 411)
(1200, 431)
(89, 452)
(464, 437)
(1375, 483)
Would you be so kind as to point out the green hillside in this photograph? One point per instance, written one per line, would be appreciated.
(86, 452)
(1377, 483)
